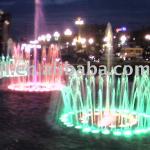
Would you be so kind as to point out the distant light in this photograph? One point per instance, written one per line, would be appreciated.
(82, 41)
(147, 37)
(105, 39)
(34, 42)
(39, 38)
(56, 35)
(43, 38)
(123, 39)
(79, 21)
(91, 41)
(68, 32)
(48, 37)
(123, 29)
(67, 43)
(115, 37)
(118, 30)
(74, 42)
(6, 22)
(28, 47)
(1, 12)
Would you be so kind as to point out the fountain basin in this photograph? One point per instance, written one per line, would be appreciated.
(115, 122)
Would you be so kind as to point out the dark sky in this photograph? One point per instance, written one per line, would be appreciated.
(60, 13)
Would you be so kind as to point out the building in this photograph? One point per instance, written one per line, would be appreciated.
(5, 22)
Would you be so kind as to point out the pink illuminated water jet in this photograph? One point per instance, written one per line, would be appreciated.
(44, 70)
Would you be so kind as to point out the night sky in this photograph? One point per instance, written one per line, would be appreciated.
(59, 14)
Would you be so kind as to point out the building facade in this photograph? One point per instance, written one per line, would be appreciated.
(5, 22)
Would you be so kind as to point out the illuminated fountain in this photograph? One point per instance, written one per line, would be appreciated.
(86, 107)
(42, 71)
(40, 63)
(107, 104)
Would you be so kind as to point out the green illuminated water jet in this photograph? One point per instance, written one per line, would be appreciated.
(85, 106)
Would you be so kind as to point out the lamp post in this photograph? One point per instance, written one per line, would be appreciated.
(79, 23)
(56, 35)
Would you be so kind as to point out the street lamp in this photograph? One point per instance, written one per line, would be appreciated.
(48, 37)
(79, 21)
(68, 32)
(56, 35)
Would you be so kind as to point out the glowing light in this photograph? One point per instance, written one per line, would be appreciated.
(95, 131)
(6, 22)
(1, 12)
(74, 41)
(39, 38)
(34, 42)
(147, 37)
(82, 40)
(105, 39)
(56, 35)
(106, 132)
(123, 29)
(78, 127)
(127, 133)
(117, 133)
(123, 39)
(28, 47)
(86, 130)
(68, 32)
(48, 37)
(91, 41)
(79, 21)
(43, 38)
